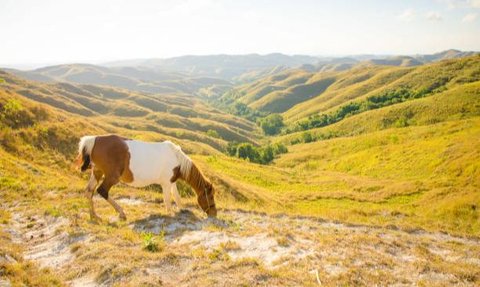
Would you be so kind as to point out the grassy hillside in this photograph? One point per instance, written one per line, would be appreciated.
(133, 78)
(457, 103)
(388, 160)
(299, 94)
(407, 159)
(398, 156)
(425, 176)
(170, 116)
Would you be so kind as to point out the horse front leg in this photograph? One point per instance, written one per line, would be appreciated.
(166, 197)
(176, 196)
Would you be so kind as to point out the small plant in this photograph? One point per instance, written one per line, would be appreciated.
(151, 242)
(218, 254)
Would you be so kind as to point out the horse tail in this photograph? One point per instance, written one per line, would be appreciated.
(85, 147)
(184, 163)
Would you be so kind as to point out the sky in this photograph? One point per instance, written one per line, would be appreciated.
(34, 33)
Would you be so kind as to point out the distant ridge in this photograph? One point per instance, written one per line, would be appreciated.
(401, 61)
(222, 66)
(190, 74)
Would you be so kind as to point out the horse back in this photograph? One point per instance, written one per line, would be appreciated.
(110, 154)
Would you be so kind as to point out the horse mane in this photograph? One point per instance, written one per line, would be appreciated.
(196, 179)
(187, 170)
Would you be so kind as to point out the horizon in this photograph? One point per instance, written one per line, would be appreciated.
(50, 32)
(33, 66)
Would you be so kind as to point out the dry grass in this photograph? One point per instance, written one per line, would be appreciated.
(377, 181)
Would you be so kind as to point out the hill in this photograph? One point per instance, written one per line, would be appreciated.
(444, 55)
(402, 61)
(219, 66)
(132, 78)
(379, 184)
(170, 116)
(298, 94)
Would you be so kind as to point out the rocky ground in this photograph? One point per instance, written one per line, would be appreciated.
(238, 249)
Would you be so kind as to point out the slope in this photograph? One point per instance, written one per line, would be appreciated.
(171, 116)
(133, 78)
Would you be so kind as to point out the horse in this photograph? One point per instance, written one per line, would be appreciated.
(115, 159)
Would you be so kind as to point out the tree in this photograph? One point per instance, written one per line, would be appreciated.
(266, 155)
(247, 150)
(271, 124)
(232, 148)
(307, 137)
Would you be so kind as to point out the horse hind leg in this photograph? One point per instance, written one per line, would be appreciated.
(103, 190)
(176, 196)
(95, 178)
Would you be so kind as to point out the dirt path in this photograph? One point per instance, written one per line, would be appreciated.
(246, 248)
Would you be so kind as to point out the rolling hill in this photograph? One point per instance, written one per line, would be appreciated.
(219, 66)
(382, 173)
(298, 94)
(178, 116)
(132, 78)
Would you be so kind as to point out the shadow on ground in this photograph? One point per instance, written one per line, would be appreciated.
(174, 226)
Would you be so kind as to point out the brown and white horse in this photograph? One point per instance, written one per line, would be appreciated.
(115, 159)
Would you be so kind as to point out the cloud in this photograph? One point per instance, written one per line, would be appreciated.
(474, 3)
(453, 4)
(407, 15)
(434, 16)
(470, 17)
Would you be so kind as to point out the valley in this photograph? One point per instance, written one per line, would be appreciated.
(378, 183)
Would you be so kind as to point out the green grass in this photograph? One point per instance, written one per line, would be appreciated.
(437, 76)
(413, 164)
(410, 165)
(454, 104)
(425, 176)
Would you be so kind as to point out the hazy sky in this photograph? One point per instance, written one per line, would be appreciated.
(61, 31)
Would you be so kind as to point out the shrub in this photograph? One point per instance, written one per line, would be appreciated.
(307, 137)
(279, 148)
(271, 124)
(247, 150)
(262, 155)
(232, 148)
(266, 154)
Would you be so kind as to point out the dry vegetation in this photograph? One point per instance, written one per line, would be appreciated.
(383, 197)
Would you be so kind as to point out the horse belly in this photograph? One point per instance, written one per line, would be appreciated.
(146, 164)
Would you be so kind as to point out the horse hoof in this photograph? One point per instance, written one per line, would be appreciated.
(123, 217)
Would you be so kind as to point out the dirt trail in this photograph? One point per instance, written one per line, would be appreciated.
(255, 248)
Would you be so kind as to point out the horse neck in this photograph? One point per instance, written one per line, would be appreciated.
(196, 179)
